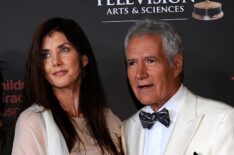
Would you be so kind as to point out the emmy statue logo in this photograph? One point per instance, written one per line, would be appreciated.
(207, 10)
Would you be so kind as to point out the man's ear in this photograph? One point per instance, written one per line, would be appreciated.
(85, 60)
(178, 64)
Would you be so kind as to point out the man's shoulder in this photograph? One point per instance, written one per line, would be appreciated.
(208, 104)
(133, 120)
(213, 106)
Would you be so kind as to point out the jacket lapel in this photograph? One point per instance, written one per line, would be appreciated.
(138, 141)
(186, 126)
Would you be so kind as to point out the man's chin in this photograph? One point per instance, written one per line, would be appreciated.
(146, 102)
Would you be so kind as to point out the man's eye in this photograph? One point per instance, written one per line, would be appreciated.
(131, 63)
(45, 55)
(150, 61)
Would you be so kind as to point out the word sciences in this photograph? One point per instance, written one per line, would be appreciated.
(134, 7)
(145, 10)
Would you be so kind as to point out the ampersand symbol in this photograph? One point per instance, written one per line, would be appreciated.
(135, 10)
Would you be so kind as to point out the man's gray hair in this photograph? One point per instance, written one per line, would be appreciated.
(172, 42)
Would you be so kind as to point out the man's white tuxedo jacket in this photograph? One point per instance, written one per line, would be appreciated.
(203, 126)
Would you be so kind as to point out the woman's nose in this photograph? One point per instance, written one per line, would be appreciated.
(56, 60)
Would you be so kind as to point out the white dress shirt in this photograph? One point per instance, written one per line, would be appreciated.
(156, 138)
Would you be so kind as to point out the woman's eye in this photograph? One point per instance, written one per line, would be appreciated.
(65, 49)
(45, 55)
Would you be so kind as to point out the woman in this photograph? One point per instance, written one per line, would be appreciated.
(65, 110)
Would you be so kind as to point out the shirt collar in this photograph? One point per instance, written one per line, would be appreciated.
(173, 104)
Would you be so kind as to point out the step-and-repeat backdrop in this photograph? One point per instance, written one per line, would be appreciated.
(206, 27)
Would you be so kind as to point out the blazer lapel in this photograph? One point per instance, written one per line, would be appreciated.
(137, 142)
(186, 126)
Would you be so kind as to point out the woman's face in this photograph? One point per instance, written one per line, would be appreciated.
(61, 61)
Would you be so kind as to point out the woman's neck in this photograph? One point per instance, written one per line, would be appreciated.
(69, 100)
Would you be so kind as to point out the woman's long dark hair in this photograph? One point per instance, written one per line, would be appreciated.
(91, 98)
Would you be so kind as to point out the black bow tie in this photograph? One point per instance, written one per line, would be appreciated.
(147, 119)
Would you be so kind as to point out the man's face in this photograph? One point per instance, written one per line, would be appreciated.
(152, 78)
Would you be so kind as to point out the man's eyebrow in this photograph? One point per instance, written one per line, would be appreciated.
(44, 50)
(131, 59)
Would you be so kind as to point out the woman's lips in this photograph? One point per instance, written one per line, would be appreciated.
(60, 73)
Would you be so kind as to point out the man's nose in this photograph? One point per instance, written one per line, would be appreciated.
(141, 72)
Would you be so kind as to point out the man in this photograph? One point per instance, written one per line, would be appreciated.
(185, 124)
